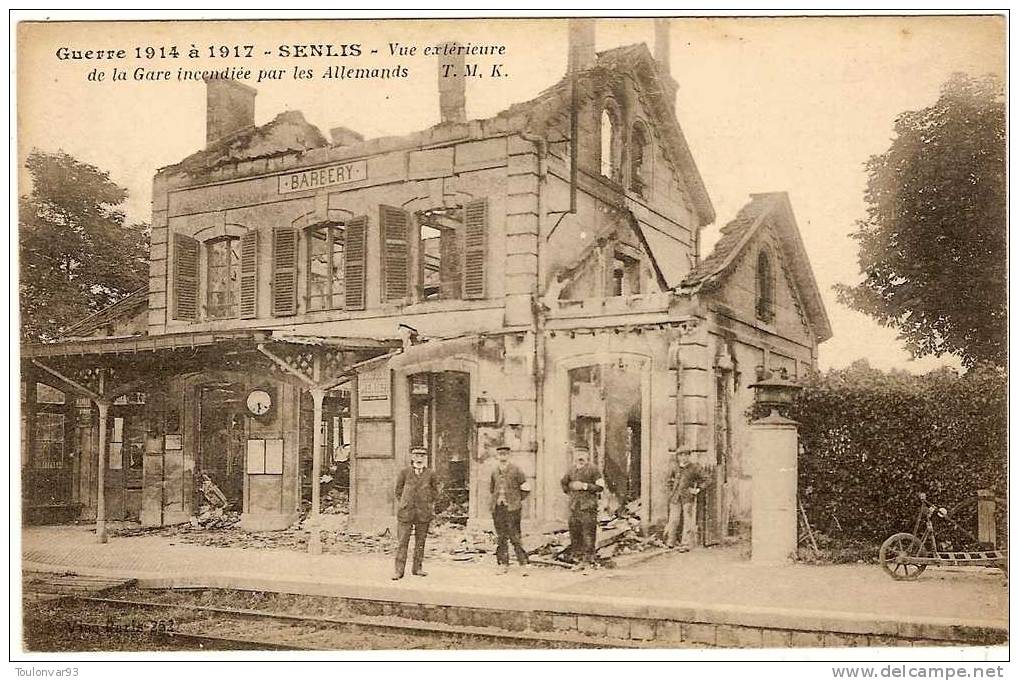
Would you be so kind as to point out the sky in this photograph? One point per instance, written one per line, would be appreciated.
(766, 104)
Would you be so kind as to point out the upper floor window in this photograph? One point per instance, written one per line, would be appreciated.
(453, 251)
(625, 275)
(227, 284)
(640, 160)
(325, 267)
(610, 146)
(223, 257)
(765, 288)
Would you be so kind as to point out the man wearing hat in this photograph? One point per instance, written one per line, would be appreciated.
(416, 491)
(583, 483)
(508, 487)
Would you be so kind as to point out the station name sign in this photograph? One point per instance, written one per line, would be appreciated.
(340, 173)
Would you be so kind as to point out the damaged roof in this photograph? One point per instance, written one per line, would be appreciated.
(124, 307)
(288, 132)
(542, 116)
(768, 208)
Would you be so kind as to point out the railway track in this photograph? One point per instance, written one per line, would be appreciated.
(192, 626)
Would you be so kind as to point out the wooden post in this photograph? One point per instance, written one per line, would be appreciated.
(987, 531)
(101, 535)
(315, 540)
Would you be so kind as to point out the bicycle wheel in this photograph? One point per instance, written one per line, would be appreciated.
(895, 555)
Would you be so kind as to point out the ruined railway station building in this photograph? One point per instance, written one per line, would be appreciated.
(531, 279)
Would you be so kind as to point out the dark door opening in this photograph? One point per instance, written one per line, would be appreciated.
(440, 421)
(221, 441)
(605, 416)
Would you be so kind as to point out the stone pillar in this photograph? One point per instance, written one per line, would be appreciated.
(774, 448)
(315, 540)
(101, 536)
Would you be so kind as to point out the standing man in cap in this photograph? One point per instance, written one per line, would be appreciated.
(508, 486)
(583, 483)
(416, 491)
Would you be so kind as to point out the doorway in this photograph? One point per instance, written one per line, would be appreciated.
(221, 441)
(440, 421)
(605, 413)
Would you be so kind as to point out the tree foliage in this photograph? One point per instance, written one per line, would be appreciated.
(871, 441)
(76, 254)
(933, 246)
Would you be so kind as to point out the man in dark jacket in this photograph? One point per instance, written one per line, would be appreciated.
(686, 480)
(583, 484)
(508, 486)
(416, 491)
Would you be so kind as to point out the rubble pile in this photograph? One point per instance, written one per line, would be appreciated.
(214, 518)
(618, 534)
(335, 501)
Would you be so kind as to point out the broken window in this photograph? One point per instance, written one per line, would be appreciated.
(453, 251)
(640, 160)
(610, 142)
(223, 277)
(625, 275)
(49, 441)
(765, 288)
(325, 267)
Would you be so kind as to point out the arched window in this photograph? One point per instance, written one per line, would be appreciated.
(610, 142)
(223, 257)
(641, 158)
(765, 288)
(325, 266)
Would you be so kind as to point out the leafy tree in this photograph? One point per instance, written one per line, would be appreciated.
(76, 254)
(932, 247)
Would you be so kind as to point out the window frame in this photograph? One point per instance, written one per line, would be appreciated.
(646, 178)
(233, 278)
(764, 287)
(335, 298)
(610, 109)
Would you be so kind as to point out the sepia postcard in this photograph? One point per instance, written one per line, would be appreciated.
(648, 337)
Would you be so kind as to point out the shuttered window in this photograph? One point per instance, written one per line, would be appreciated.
(325, 266)
(355, 246)
(284, 272)
(222, 277)
(394, 231)
(249, 275)
(475, 248)
(185, 278)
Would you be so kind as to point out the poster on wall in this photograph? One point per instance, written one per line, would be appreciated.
(373, 393)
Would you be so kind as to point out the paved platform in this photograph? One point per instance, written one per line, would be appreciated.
(715, 587)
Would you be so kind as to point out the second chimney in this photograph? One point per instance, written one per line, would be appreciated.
(452, 85)
(581, 42)
(229, 107)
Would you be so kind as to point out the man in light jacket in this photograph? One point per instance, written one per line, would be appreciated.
(508, 487)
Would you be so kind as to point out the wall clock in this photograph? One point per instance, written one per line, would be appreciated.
(259, 402)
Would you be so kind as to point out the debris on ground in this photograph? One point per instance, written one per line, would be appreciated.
(618, 534)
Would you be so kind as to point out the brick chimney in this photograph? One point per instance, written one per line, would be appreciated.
(581, 45)
(229, 107)
(663, 56)
(452, 86)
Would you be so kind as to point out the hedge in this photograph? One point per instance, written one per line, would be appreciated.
(871, 441)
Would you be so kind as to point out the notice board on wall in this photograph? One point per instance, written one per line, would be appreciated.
(374, 390)
(374, 439)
